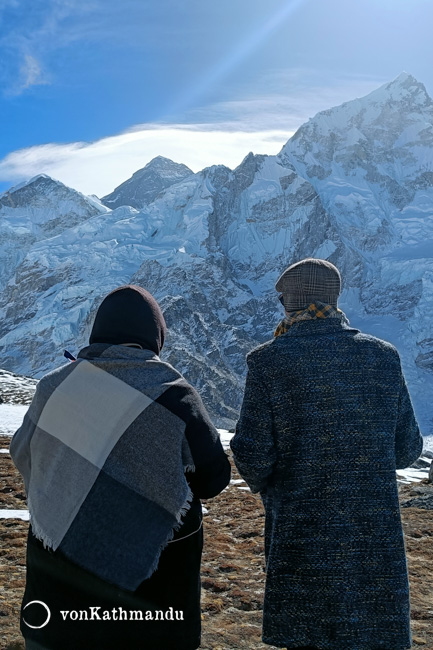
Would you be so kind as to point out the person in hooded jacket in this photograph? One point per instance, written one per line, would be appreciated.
(116, 451)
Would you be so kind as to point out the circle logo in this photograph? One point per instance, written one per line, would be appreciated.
(37, 602)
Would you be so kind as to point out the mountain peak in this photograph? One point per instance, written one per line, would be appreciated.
(408, 82)
(386, 111)
(146, 183)
(160, 162)
(44, 187)
(404, 76)
(405, 79)
(40, 179)
(41, 176)
(404, 88)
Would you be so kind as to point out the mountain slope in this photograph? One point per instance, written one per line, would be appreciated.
(371, 161)
(196, 248)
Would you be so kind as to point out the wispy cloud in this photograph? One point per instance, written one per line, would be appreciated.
(98, 167)
(48, 30)
(29, 38)
(31, 74)
(283, 100)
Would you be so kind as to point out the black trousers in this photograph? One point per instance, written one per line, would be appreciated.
(52, 579)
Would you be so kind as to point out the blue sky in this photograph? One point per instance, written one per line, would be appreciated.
(91, 91)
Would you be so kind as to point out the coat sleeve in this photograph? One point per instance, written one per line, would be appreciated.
(408, 439)
(212, 466)
(212, 470)
(253, 443)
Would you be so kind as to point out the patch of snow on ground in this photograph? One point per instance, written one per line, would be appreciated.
(15, 514)
(411, 475)
(225, 437)
(11, 418)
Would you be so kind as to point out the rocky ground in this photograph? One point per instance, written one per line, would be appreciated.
(233, 566)
(16, 389)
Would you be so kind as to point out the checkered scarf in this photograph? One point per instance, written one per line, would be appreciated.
(102, 454)
(315, 310)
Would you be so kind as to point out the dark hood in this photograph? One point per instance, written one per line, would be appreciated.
(130, 314)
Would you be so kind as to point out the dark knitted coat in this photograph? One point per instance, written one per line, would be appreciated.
(326, 420)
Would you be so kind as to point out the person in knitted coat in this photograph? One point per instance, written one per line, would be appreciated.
(326, 419)
(116, 451)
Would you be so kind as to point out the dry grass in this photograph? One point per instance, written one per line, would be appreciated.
(232, 571)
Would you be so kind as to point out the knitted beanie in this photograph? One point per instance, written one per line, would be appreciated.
(129, 314)
(309, 280)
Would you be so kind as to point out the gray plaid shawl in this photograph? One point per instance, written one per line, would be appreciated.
(101, 458)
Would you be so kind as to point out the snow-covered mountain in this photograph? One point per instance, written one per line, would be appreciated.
(353, 185)
(35, 211)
